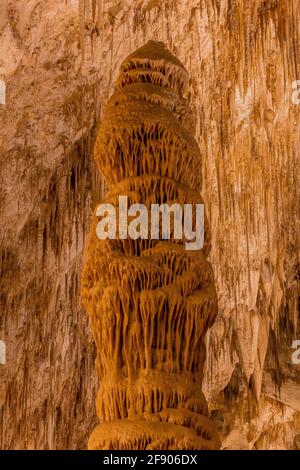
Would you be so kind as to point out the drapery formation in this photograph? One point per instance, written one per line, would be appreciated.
(150, 301)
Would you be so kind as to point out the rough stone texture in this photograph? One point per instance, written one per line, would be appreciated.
(60, 63)
(150, 301)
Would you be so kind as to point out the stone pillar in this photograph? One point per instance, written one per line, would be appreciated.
(150, 301)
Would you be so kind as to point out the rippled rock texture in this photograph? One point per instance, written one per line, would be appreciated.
(60, 60)
(150, 301)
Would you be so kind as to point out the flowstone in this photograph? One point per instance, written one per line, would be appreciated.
(150, 301)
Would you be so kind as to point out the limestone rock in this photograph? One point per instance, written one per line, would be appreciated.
(60, 64)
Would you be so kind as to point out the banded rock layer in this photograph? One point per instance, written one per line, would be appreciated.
(150, 301)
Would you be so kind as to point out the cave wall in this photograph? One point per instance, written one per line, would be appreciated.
(59, 61)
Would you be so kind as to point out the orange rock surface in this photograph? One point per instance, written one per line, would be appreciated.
(150, 301)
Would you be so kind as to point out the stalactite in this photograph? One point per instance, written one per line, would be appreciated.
(94, 5)
(150, 302)
(90, 18)
(81, 18)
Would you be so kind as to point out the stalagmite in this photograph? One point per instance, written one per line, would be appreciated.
(150, 301)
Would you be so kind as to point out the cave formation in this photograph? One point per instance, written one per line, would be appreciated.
(150, 301)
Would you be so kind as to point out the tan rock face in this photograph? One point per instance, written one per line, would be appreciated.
(150, 301)
(243, 60)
